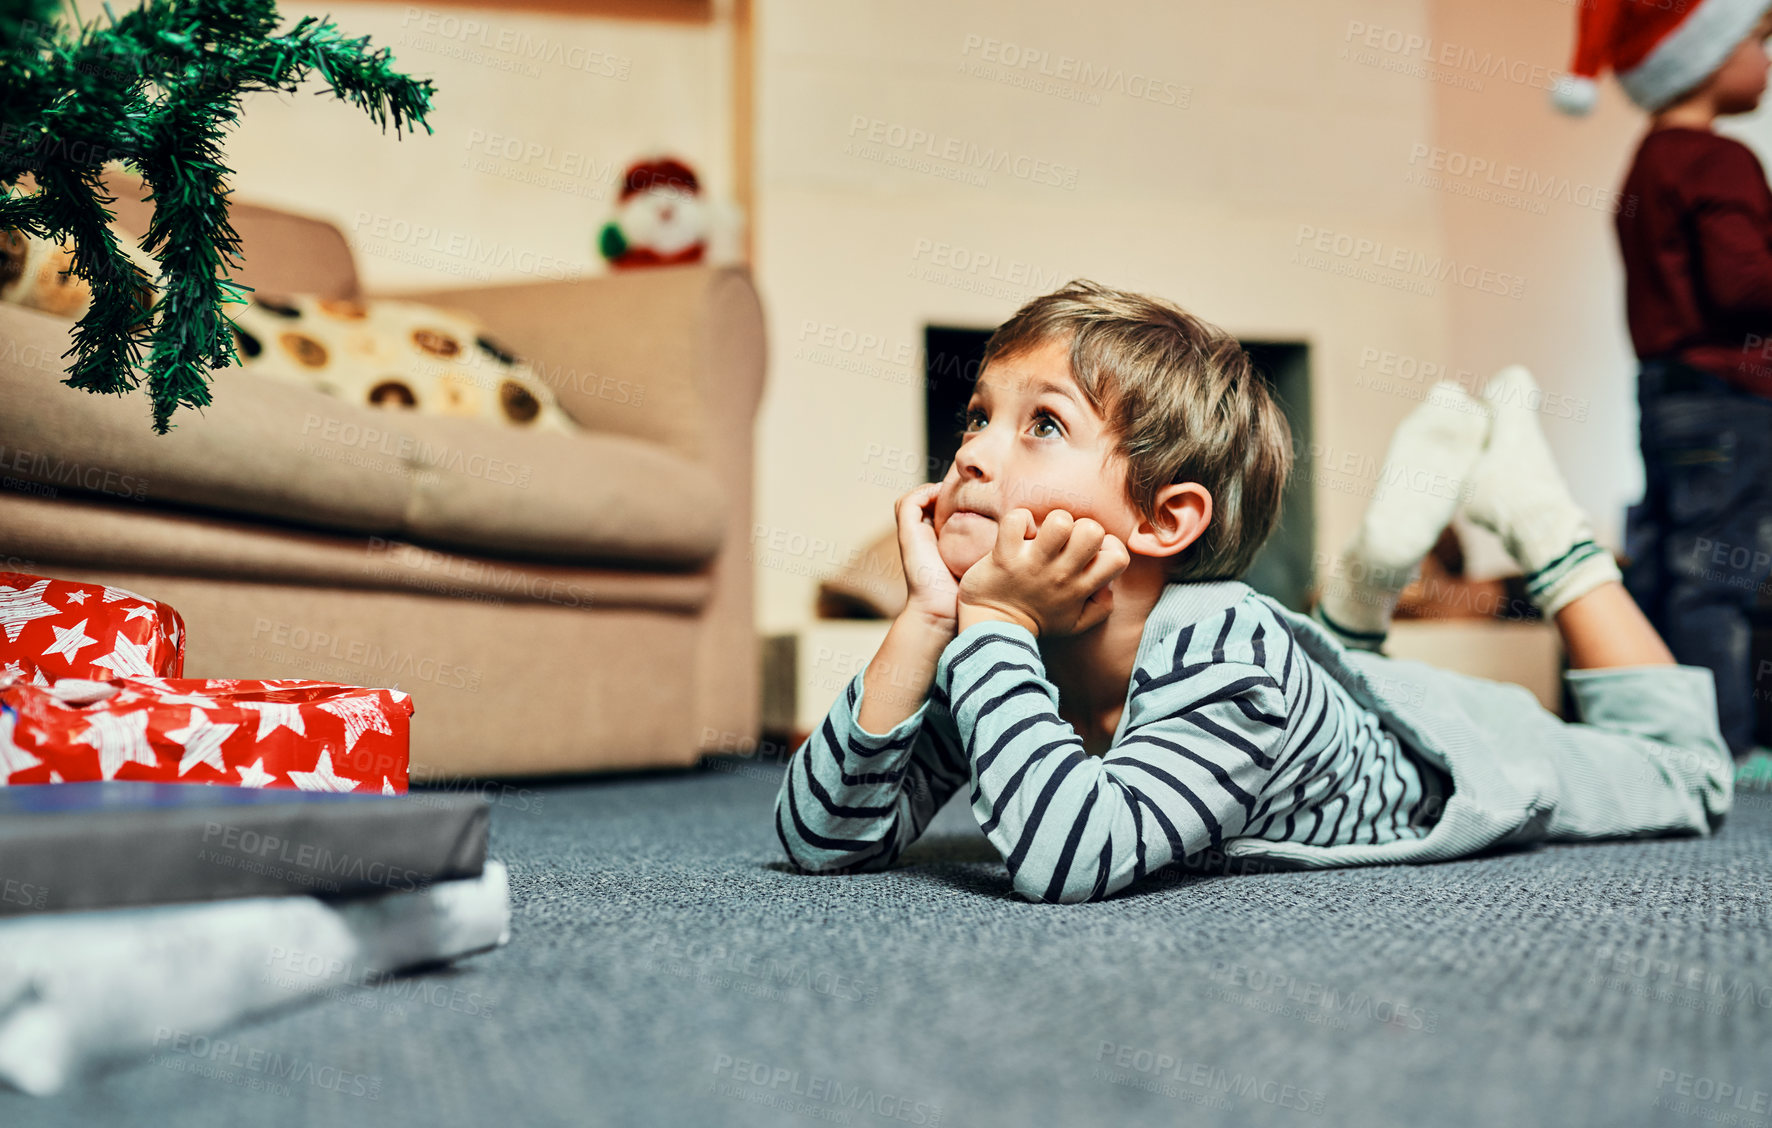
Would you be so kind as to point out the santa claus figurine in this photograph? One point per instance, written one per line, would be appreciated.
(661, 220)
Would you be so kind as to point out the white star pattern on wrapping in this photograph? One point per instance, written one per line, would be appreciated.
(196, 700)
(273, 715)
(139, 611)
(15, 672)
(322, 778)
(165, 695)
(387, 788)
(112, 594)
(129, 659)
(19, 606)
(256, 776)
(77, 597)
(86, 691)
(360, 715)
(121, 738)
(201, 741)
(70, 641)
(12, 757)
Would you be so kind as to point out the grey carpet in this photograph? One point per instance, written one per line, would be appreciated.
(658, 937)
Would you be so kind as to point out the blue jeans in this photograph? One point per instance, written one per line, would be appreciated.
(1700, 541)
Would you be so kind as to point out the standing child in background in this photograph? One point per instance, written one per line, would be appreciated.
(1695, 230)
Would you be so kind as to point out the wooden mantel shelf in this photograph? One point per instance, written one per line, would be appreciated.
(667, 11)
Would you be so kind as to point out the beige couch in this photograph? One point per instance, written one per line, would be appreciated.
(553, 603)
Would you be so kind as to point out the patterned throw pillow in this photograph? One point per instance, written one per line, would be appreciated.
(33, 273)
(398, 355)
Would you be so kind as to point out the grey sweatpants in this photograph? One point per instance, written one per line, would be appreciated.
(1646, 756)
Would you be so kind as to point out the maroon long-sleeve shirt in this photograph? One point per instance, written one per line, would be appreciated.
(1695, 228)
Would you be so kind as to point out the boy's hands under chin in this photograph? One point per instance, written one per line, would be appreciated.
(933, 592)
(1053, 582)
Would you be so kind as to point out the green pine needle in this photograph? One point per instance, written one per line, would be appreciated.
(157, 88)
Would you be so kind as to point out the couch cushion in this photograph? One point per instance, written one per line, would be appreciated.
(51, 537)
(275, 450)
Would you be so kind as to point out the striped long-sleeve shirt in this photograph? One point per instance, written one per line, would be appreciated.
(1230, 729)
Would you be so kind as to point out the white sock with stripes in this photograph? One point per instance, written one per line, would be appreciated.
(1424, 477)
(1518, 493)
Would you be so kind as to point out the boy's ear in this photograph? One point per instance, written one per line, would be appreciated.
(1182, 513)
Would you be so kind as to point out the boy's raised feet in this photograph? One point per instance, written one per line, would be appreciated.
(1425, 474)
(1518, 493)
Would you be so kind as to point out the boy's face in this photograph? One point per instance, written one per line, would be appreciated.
(1741, 80)
(1031, 441)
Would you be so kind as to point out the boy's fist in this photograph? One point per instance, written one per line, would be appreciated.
(932, 590)
(1053, 581)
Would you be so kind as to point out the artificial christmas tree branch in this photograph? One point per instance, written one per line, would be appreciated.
(156, 87)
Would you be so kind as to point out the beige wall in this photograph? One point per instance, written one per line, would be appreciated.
(536, 115)
(1259, 131)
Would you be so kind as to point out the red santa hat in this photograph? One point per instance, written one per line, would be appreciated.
(1658, 49)
(662, 172)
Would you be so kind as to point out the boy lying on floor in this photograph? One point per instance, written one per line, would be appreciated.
(1077, 647)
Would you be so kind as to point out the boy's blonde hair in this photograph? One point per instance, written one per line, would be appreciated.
(1183, 403)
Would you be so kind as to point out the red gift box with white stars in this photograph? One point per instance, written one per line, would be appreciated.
(307, 735)
(53, 629)
(91, 689)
